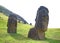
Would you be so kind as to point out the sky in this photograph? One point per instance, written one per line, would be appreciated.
(28, 10)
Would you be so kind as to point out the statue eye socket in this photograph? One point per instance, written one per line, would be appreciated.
(44, 17)
(43, 11)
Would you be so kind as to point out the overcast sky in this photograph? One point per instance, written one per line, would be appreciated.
(28, 9)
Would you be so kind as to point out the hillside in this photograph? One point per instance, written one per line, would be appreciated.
(52, 35)
(3, 20)
(8, 12)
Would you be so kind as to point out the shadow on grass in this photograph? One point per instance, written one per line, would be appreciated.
(18, 36)
(52, 40)
(21, 37)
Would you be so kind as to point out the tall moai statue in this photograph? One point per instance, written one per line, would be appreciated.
(12, 24)
(42, 19)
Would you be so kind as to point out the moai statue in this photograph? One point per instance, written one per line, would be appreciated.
(12, 24)
(41, 24)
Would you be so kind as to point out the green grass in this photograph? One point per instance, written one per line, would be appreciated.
(52, 35)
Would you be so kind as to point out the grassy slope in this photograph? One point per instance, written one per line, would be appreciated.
(52, 35)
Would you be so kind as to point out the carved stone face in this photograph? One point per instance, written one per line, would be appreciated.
(13, 17)
(12, 20)
(42, 18)
(45, 18)
(12, 24)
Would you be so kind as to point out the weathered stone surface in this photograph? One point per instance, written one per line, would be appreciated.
(41, 24)
(12, 24)
(41, 34)
(36, 34)
(42, 18)
(33, 34)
